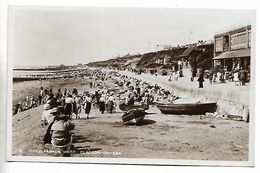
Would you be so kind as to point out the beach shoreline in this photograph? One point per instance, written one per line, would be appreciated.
(160, 137)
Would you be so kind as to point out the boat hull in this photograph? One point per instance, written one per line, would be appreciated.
(137, 114)
(187, 108)
(124, 107)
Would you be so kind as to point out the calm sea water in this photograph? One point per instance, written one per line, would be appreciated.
(17, 73)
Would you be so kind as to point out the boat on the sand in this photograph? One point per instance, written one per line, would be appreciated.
(136, 115)
(126, 107)
(187, 108)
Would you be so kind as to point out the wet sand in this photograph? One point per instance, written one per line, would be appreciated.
(160, 136)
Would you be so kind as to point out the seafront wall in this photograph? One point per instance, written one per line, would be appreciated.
(233, 102)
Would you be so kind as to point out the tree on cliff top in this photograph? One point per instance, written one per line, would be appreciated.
(201, 60)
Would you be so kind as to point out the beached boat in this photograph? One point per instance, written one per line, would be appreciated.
(125, 107)
(135, 114)
(187, 108)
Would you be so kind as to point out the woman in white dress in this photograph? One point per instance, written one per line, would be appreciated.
(236, 79)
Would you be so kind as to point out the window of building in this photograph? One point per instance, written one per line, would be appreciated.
(219, 44)
(225, 42)
(238, 41)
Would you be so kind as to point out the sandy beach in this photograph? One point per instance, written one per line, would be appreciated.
(196, 137)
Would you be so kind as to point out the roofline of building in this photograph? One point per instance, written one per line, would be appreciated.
(233, 31)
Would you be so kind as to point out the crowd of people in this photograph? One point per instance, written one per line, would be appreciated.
(58, 111)
(27, 103)
(61, 108)
(73, 103)
(128, 90)
(238, 77)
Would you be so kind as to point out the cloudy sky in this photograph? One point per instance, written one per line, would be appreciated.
(66, 35)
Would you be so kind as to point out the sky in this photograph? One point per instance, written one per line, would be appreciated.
(40, 36)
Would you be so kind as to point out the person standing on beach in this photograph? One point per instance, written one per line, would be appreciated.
(51, 94)
(41, 94)
(59, 97)
(87, 104)
(201, 80)
(110, 103)
(65, 92)
(102, 104)
(97, 96)
(68, 107)
(48, 95)
(78, 100)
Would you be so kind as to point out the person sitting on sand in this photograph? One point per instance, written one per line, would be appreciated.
(59, 131)
(47, 117)
(18, 108)
(26, 101)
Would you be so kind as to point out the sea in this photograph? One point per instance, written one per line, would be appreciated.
(24, 73)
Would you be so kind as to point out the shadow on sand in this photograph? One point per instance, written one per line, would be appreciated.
(80, 139)
(82, 149)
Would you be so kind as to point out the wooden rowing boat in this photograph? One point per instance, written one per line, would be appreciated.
(134, 114)
(187, 108)
(125, 107)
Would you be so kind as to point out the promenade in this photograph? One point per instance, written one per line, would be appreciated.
(234, 100)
